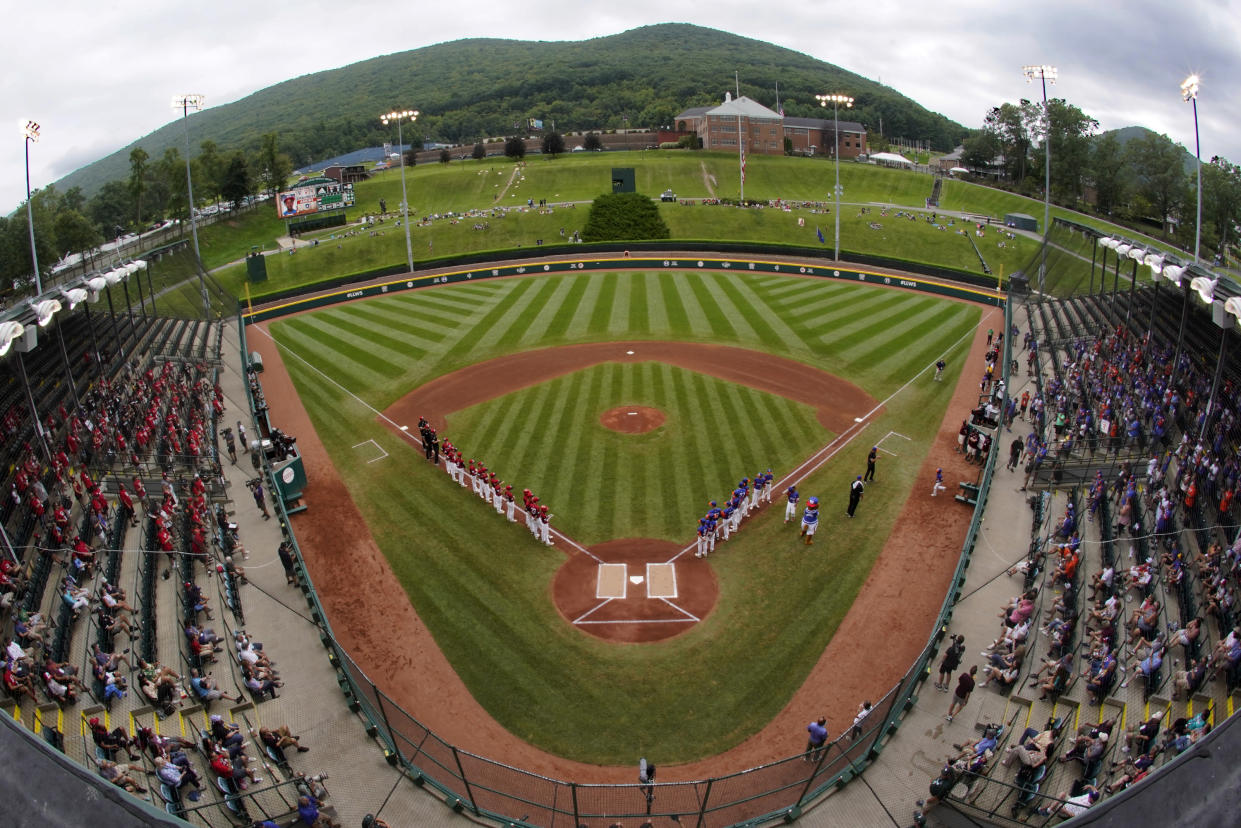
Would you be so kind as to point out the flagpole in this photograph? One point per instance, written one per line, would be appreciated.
(741, 156)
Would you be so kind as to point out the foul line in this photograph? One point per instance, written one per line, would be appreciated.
(597, 607)
(402, 430)
(819, 458)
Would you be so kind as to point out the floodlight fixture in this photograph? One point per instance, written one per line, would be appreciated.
(1205, 288)
(836, 100)
(400, 115)
(44, 311)
(1189, 92)
(10, 331)
(1233, 305)
(29, 129)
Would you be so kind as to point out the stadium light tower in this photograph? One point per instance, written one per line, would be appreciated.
(185, 103)
(836, 101)
(1189, 91)
(398, 116)
(31, 132)
(1044, 73)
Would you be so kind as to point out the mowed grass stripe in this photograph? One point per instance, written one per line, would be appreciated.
(580, 323)
(884, 330)
(351, 366)
(433, 318)
(858, 314)
(538, 331)
(696, 317)
(619, 324)
(601, 310)
(676, 481)
(510, 328)
(721, 326)
(658, 325)
(398, 340)
(423, 335)
(568, 307)
(639, 312)
(384, 351)
(765, 326)
(467, 345)
(841, 304)
(904, 352)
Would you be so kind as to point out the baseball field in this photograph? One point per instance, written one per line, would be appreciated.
(483, 586)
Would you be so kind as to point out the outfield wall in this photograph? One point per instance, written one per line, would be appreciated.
(626, 261)
(511, 796)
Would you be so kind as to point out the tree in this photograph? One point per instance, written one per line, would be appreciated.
(236, 184)
(592, 142)
(211, 171)
(1107, 169)
(170, 172)
(553, 144)
(1010, 124)
(73, 199)
(138, 158)
(411, 157)
(624, 217)
(480, 152)
(980, 150)
(515, 148)
(111, 206)
(1221, 200)
(1159, 170)
(1071, 133)
(75, 233)
(274, 166)
(445, 156)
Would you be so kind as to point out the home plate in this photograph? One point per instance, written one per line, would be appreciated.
(629, 352)
(636, 579)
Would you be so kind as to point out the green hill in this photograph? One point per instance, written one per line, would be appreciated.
(470, 89)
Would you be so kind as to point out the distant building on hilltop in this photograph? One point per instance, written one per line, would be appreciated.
(765, 131)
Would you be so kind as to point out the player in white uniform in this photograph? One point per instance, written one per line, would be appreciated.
(790, 510)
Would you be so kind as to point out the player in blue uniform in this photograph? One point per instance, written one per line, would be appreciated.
(810, 520)
(790, 510)
(769, 480)
(760, 483)
(702, 538)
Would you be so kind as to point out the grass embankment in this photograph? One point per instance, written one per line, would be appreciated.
(482, 586)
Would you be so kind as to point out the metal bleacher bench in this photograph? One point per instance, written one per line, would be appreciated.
(969, 493)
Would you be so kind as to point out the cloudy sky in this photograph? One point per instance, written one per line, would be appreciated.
(96, 76)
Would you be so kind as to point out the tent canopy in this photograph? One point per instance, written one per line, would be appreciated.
(890, 158)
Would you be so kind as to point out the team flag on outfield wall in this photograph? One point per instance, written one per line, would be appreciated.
(819, 231)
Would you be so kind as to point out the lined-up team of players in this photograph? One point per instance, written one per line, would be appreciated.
(720, 523)
(486, 484)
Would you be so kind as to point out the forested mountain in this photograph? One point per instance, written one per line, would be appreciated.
(470, 89)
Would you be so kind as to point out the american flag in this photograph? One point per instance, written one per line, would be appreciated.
(743, 163)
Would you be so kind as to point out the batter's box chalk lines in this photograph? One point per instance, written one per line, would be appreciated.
(661, 580)
(581, 619)
(610, 581)
(689, 616)
(378, 448)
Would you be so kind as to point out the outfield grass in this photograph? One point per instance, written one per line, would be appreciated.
(482, 586)
(648, 485)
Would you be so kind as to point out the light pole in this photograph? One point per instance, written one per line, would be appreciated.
(1044, 73)
(398, 116)
(185, 103)
(1189, 91)
(31, 132)
(836, 101)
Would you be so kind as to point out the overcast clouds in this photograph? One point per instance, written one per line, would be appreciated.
(97, 76)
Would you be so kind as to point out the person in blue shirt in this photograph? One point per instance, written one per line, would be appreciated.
(702, 538)
(817, 742)
(790, 511)
(810, 520)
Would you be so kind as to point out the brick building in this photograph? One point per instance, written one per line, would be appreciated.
(765, 131)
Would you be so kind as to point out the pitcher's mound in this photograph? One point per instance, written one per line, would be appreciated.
(632, 419)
